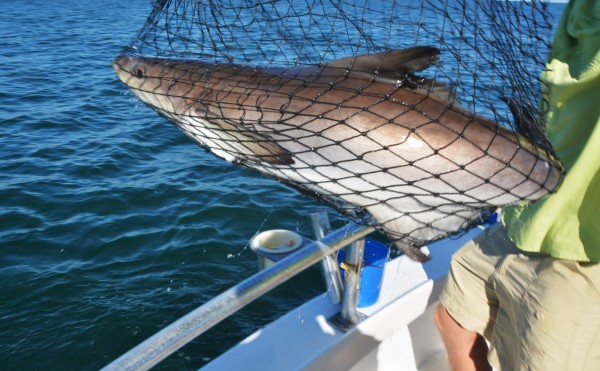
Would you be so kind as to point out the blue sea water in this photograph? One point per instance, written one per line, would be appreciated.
(112, 223)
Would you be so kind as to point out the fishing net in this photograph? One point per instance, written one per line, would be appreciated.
(413, 116)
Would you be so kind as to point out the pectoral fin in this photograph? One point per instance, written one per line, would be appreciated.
(263, 149)
(241, 142)
(249, 145)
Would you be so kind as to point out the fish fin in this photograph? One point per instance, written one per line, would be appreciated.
(244, 144)
(413, 252)
(264, 149)
(398, 67)
(443, 91)
(522, 114)
(399, 62)
(440, 90)
(526, 123)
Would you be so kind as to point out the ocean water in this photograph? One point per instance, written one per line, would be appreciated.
(112, 223)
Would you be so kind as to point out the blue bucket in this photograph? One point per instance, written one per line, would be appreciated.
(371, 277)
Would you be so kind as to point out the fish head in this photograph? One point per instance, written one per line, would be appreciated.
(160, 83)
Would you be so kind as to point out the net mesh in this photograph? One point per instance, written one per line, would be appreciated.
(413, 116)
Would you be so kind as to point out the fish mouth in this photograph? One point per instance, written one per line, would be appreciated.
(123, 65)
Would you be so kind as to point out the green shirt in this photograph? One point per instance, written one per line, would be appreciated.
(566, 224)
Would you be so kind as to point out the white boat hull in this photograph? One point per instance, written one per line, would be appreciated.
(398, 332)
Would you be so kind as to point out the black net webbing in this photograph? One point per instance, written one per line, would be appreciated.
(410, 115)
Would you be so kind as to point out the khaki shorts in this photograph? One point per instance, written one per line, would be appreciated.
(537, 312)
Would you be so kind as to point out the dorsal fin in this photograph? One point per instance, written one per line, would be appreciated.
(391, 62)
(393, 66)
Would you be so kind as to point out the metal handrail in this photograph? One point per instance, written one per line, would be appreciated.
(179, 333)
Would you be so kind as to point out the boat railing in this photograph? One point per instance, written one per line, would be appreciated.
(185, 329)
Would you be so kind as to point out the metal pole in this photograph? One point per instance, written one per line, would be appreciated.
(329, 264)
(352, 265)
(168, 340)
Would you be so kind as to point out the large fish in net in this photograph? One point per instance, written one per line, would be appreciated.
(377, 134)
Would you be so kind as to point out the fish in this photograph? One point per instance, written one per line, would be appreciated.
(365, 133)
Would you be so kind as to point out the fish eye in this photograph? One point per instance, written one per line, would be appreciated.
(139, 72)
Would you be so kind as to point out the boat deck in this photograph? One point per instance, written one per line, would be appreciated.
(397, 333)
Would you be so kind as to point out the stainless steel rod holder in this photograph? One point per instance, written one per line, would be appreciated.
(329, 264)
(353, 263)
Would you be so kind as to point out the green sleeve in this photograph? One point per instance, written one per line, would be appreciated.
(566, 224)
